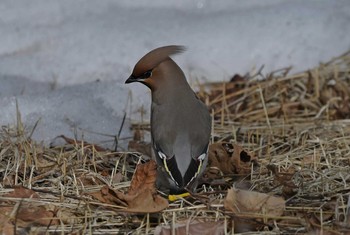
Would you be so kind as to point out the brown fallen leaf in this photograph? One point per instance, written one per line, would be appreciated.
(22, 192)
(225, 158)
(108, 195)
(192, 227)
(42, 215)
(142, 195)
(144, 178)
(251, 207)
(284, 178)
(26, 210)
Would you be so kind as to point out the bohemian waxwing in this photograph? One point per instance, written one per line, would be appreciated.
(180, 122)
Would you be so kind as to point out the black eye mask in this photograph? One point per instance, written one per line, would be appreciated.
(147, 74)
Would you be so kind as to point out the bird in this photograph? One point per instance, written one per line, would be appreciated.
(180, 121)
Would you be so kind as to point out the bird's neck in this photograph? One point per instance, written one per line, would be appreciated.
(170, 84)
(172, 93)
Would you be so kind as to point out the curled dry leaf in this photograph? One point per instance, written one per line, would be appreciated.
(108, 195)
(251, 207)
(142, 195)
(226, 158)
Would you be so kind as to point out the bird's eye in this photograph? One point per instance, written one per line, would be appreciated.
(147, 74)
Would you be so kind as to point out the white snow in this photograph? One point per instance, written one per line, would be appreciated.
(52, 52)
(91, 111)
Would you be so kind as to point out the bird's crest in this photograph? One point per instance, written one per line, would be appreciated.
(153, 58)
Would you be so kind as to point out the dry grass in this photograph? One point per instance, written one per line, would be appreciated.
(298, 126)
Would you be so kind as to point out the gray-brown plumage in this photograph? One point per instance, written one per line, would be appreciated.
(180, 122)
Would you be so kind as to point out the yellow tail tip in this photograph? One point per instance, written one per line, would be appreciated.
(173, 198)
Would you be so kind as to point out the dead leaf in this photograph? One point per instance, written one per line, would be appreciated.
(22, 192)
(42, 216)
(251, 207)
(144, 178)
(108, 196)
(284, 178)
(142, 195)
(192, 227)
(26, 210)
(225, 158)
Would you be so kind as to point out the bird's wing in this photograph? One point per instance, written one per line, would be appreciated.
(170, 165)
(196, 166)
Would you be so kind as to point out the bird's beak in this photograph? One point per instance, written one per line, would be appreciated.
(131, 79)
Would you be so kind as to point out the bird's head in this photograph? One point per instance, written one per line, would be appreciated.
(147, 68)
